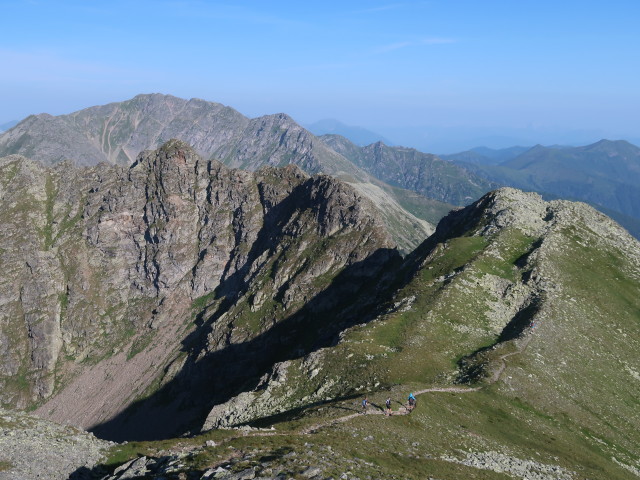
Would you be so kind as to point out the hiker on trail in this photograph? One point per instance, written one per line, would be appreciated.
(412, 402)
(388, 404)
(365, 402)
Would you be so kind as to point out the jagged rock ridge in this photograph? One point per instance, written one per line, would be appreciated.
(106, 268)
(513, 293)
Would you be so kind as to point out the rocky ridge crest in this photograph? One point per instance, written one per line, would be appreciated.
(107, 267)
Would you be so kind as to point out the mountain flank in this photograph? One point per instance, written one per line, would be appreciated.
(413, 170)
(104, 266)
(485, 155)
(507, 323)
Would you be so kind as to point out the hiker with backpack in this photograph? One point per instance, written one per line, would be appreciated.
(388, 404)
(365, 403)
(412, 403)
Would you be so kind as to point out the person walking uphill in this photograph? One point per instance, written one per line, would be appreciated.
(388, 404)
(365, 403)
(412, 402)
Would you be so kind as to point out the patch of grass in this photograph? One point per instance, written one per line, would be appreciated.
(200, 303)
(511, 245)
(4, 466)
(121, 453)
(454, 255)
(140, 343)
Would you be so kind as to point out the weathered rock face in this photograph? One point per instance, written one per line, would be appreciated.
(106, 268)
(117, 132)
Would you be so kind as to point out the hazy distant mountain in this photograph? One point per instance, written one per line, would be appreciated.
(448, 140)
(118, 132)
(486, 155)
(358, 135)
(8, 125)
(408, 168)
(606, 174)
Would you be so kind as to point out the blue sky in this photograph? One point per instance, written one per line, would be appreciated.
(485, 67)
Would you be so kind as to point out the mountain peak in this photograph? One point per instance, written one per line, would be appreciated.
(610, 146)
(358, 135)
(507, 208)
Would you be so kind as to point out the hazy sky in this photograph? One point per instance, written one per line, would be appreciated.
(380, 64)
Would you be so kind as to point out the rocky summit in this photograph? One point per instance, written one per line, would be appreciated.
(221, 323)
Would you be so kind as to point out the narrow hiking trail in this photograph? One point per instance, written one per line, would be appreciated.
(375, 410)
(403, 409)
(372, 410)
(495, 376)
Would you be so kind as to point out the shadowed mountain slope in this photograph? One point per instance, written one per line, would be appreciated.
(179, 295)
(535, 303)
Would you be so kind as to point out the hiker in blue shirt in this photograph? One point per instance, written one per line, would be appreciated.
(412, 402)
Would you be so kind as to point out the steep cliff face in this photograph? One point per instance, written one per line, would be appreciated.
(106, 269)
(187, 296)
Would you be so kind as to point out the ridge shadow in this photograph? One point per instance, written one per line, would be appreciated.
(182, 405)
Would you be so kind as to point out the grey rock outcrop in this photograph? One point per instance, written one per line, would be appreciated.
(32, 448)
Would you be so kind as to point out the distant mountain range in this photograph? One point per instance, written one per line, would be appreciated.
(453, 139)
(486, 155)
(358, 135)
(605, 174)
